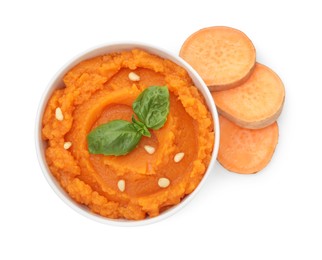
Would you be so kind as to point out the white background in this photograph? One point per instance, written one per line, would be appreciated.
(275, 214)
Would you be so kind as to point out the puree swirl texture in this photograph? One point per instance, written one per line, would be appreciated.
(99, 90)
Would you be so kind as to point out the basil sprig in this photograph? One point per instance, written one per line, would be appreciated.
(119, 137)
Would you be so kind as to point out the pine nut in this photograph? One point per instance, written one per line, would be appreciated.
(134, 77)
(163, 182)
(178, 157)
(121, 185)
(67, 145)
(59, 114)
(149, 149)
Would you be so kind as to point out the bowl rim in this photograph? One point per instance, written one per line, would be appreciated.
(100, 50)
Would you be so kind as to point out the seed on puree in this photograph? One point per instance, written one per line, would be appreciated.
(142, 169)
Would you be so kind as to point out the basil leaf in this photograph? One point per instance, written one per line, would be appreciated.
(140, 127)
(117, 137)
(152, 106)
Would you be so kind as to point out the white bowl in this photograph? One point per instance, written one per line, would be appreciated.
(57, 80)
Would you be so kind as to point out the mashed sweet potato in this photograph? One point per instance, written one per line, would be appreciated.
(99, 90)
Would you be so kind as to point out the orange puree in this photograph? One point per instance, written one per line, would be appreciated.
(97, 91)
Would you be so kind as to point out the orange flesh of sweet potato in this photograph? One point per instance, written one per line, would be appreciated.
(255, 104)
(223, 56)
(246, 150)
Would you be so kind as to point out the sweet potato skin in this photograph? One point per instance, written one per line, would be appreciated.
(256, 124)
(223, 87)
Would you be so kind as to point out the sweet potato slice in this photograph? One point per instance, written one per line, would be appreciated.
(255, 104)
(246, 150)
(223, 56)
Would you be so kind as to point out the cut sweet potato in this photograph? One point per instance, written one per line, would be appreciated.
(246, 150)
(255, 104)
(223, 56)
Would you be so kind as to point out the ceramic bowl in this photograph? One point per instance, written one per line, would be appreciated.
(57, 81)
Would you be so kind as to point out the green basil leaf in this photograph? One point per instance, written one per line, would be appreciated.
(152, 106)
(117, 137)
(140, 127)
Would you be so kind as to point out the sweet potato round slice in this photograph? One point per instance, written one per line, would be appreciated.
(246, 150)
(223, 56)
(255, 104)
